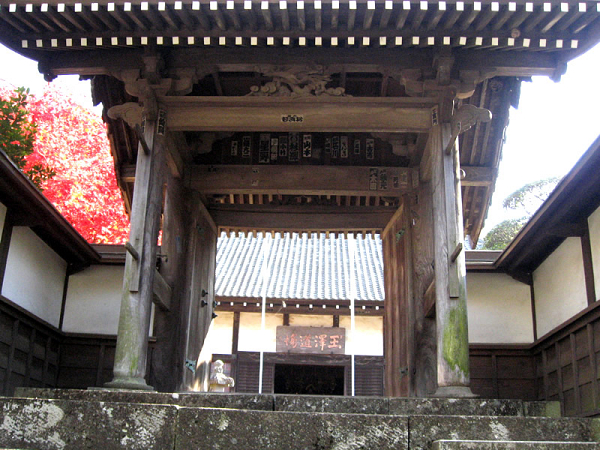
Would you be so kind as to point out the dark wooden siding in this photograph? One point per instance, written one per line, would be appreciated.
(29, 350)
(567, 364)
(368, 373)
(368, 370)
(503, 371)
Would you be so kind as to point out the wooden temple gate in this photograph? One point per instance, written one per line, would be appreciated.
(312, 116)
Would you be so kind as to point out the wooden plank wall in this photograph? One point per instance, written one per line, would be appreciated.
(567, 364)
(503, 371)
(29, 350)
(397, 328)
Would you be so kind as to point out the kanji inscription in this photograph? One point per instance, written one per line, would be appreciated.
(311, 340)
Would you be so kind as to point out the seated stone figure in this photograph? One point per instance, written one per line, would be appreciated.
(218, 380)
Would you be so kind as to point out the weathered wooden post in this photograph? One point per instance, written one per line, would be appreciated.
(140, 264)
(449, 259)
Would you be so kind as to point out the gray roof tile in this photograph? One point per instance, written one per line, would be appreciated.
(300, 267)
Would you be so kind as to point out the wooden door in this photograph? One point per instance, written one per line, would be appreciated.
(398, 326)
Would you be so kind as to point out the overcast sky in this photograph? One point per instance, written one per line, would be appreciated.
(554, 125)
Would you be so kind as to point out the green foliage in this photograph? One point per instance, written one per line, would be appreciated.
(503, 233)
(530, 196)
(525, 200)
(17, 135)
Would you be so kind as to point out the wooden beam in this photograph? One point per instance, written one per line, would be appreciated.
(318, 114)
(336, 219)
(478, 176)
(161, 292)
(568, 229)
(299, 180)
(107, 61)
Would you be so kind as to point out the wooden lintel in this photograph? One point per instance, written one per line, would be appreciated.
(478, 176)
(161, 292)
(290, 306)
(568, 229)
(298, 180)
(107, 61)
(336, 219)
(316, 114)
(429, 300)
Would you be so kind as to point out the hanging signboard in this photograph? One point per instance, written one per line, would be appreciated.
(319, 340)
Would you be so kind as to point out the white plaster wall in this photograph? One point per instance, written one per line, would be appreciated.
(368, 335)
(2, 219)
(559, 285)
(594, 225)
(94, 300)
(306, 320)
(220, 334)
(252, 339)
(499, 309)
(35, 276)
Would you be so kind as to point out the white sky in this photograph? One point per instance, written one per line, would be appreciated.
(554, 125)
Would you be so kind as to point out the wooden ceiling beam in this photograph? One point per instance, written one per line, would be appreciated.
(122, 19)
(234, 17)
(284, 15)
(319, 114)
(301, 16)
(478, 176)
(44, 20)
(337, 219)
(186, 17)
(107, 61)
(296, 180)
(318, 17)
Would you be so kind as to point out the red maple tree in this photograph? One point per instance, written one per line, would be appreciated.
(72, 140)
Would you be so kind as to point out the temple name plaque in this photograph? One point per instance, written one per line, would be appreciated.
(320, 340)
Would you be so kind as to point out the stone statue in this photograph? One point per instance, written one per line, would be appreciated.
(218, 380)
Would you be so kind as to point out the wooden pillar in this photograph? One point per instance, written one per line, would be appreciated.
(140, 264)
(449, 267)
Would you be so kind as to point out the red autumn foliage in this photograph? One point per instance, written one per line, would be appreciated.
(72, 140)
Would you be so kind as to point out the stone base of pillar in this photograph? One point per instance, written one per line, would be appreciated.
(129, 383)
(454, 392)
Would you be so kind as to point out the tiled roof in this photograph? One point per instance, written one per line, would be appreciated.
(299, 266)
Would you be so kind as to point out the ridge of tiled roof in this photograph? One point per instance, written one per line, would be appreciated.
(299, 266)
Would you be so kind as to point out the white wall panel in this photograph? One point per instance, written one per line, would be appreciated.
(559, 285)
(35, 276)
(594, 224)
(499, 309)
(252, 338)
(368, 335)
(94, 300)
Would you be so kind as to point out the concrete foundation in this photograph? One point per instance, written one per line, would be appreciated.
(47, 419)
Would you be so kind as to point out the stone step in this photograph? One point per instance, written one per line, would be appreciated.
(513, 445)
(306, 403)
(74, 424)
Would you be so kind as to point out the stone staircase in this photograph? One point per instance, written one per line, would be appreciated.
(100, 419)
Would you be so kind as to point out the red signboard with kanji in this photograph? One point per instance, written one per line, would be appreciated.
(311, 340)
